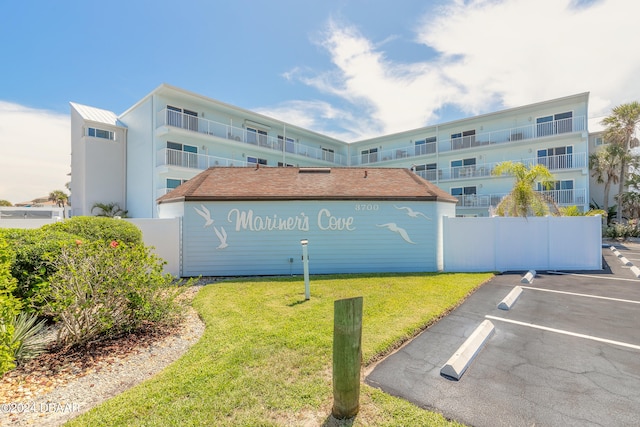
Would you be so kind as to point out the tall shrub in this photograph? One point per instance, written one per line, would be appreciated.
(99, 228)
(35, 250)
(102, 288)
(9, 307)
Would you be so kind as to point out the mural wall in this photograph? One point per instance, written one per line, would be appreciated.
(247, 238)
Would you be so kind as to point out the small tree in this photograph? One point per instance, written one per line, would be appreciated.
(524, 200)
(5, 203)
(110, 210)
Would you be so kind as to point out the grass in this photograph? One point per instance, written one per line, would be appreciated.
(265, 356)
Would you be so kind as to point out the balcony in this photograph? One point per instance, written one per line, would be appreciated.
(560, 197)
(188, 122)
(553, 163)
(511, 135)
(183, 159)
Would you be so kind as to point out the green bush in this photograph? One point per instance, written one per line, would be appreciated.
(101, 289)
(35, 250)
(621, 231)
(99, 228)
(9, 307)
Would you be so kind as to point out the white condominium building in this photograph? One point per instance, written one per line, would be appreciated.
(171, 135)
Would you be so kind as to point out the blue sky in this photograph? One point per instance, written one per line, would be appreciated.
(351, 69)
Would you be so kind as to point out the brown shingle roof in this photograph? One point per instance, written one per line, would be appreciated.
(234, 183)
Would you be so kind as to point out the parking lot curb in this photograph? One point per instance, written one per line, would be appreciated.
(462, 358)
(528, 278)
(510, 299)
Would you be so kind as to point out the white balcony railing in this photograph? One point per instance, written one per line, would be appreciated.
(553, 163)
(511, 135)
(170, 157)
(172, 118)
(560, 197)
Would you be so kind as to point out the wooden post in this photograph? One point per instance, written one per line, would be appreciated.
(347, 357)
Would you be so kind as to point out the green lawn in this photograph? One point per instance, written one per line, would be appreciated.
(265, 357)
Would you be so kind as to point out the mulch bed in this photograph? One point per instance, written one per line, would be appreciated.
(61, 365)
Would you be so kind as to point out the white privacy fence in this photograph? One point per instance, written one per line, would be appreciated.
(539, 243)
(166, 238)
(470, 244)
(163, 234)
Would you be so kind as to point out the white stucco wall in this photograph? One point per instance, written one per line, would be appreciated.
(140, 160)
(97, 164)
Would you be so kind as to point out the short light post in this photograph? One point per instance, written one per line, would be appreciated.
(305, 264)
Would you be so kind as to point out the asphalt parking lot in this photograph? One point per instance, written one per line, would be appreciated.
(567, 353)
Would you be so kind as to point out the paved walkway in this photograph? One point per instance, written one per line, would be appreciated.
(567, 353)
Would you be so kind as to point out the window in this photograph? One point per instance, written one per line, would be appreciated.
(463, 168)
(182, 118)
(464, 139)
(175, 183)
(328, 154)
(289, 144)
(182, 155)
(256, 136)
(288, 165)
(463, 191)
(428, 171)
(256, 160)
(101, 133)
(556, 158)
(466, 195)
(370, 155)
(557, 123)
(425, 146)
(599, 141)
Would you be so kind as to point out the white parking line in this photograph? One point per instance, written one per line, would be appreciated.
(581, 295)
(560, 331)
(596, 277)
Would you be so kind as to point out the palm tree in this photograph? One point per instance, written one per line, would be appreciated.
(620, 129)
(58, 197)
(524, 200)
(109, 210)
(605, 168)
(575, 211)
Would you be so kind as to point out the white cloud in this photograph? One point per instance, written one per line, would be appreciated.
(36, 150)
(522, 51)
(319, 116)
(490, 55)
